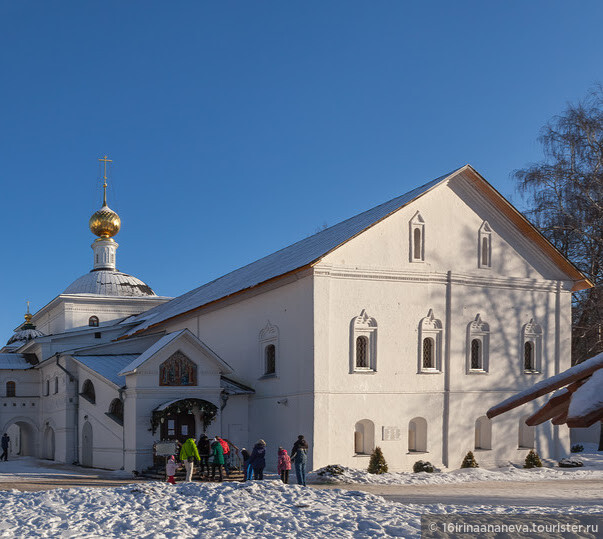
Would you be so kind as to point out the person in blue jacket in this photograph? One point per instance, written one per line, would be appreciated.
(257, 460)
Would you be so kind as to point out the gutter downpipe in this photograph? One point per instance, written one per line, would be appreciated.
(123, 396)
(73, 378)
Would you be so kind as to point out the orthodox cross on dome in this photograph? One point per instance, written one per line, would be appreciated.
(105, 160)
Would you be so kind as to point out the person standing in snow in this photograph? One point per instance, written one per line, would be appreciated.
(257, 460)
(170, 470)
(218, 459)
(299, 456)
(204, 448)
(189, 454)
(284, 465)
(247, 469)
(5, 442)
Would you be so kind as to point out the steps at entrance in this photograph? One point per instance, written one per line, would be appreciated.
(158, 474)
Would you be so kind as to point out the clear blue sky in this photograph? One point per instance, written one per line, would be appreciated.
(237, 128)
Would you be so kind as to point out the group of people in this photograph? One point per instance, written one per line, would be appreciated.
(253, 463)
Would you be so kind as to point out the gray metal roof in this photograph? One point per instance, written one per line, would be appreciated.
(298, 255)
(108, 366)
(14, 362)
(109, 283)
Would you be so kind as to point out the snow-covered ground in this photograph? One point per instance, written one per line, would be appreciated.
(592, 469)
(253, 509)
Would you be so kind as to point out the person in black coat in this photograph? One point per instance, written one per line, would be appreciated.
(204, 447)
(5, 441)
(247, 470)
(257, 460)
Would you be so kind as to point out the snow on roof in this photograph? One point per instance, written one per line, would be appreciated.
(109, 367)
(588, 398)
(151, 351)
(14, 362)
(293, 257)
(577, 372)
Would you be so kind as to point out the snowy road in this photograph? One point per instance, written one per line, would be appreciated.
(560, 493)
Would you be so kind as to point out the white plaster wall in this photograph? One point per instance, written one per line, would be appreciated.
(373, 272)
(232, 331)
(107, 434)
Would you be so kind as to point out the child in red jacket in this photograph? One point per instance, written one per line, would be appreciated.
(284, 465)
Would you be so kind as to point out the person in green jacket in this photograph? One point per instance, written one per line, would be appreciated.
(218, 459)
(189, 454)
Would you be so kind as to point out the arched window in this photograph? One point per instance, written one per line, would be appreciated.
(483, 433)
(417, 238)
(526, 434)
(93, 321)
(428, 356)
(364, 437)
(417, 435)
(56, 384)
(430, 344)
(269, 351)
(116, 410)
(47, 388)
(528, 356)
(476, 355)
(363, 343)
(531, 347)
(88, 392)
(478, 343)
(10, 389)
(270, 359)
(361, 352)
(484, 246)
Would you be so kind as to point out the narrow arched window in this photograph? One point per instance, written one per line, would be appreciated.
(417, 244)
(93, 321)
(116, 410)
(270, 359)
(528, 356)
(476, 354)
(428, 356)
(485, 252)
(47, 388)
(88, 392)
(10, 389)
(56, 384)
(362, 352)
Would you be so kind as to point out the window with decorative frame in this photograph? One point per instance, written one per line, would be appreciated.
(269, 350)
(363, 345)
(484, 246)
(478, 345)
(531, 347)
(430, 344)
(417, 238)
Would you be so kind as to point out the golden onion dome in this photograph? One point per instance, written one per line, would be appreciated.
(104, 223)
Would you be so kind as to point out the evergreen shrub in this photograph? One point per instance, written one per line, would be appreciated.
(423, 466)
(532, 460)
(377, 464)
(469, 461)
(577, 448)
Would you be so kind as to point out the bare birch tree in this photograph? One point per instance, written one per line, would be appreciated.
(565, 195)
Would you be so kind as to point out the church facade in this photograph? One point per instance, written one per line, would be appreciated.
(397, 328)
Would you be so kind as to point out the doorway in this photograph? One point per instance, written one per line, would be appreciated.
(178, 427)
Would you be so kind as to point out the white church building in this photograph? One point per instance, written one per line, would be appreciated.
(399, 328)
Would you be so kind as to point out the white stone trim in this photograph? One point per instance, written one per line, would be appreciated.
(363, 325)
(430, 328)
(480, 331)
